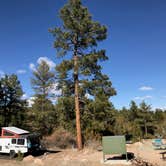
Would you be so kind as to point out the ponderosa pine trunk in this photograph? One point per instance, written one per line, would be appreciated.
(77, 108)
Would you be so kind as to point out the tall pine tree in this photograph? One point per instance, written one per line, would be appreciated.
(43, 109)
(80, 73)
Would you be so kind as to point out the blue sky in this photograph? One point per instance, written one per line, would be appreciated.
(136, 43)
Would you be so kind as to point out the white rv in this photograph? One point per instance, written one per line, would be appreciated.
(14, 140)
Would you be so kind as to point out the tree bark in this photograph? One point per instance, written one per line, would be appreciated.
(77, 108)
(146, 130)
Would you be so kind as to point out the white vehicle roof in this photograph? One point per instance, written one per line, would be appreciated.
(15, 130)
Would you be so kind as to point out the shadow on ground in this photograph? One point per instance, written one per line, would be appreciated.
(41, 152)
(130, 156)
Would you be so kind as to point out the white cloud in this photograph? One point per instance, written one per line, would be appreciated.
(32, 66)
(40, 59)
(162, 108)
(1, 74)
(145, 88)
(53, 89)
(87, 95)
(30, 101)
(47, 60)
(24, 96)
(21, 71)
(143, 97)
(55, 92)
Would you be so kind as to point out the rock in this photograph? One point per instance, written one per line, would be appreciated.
(46, 153)
(28, 158)
(138, 144)
(38, 162)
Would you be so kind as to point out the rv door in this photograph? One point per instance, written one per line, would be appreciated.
(19, 144)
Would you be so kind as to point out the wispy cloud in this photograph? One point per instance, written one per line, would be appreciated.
(32, 67)
(143, 97)
(21, 71)
(145, 88)
(47, 60)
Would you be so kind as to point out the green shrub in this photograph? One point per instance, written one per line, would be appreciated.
(20, 156)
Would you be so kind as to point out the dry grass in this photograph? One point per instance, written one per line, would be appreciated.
(61, 139)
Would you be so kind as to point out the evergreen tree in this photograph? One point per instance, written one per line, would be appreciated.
(65, 113)
(133, 111)
(12, 106)
(98, 117)
(43, 117)
(80, 73)
(43, 80)
(134, 119)
(43, 110)
(145, 117)
(159, 117)
(122, 123)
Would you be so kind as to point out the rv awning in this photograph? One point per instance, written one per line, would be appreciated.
(15, 130)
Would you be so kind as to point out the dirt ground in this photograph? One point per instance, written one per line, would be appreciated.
(86, 157)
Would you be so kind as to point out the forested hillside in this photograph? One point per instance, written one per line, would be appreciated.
(98, 117)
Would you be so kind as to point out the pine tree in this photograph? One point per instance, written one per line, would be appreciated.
(12, 106)
(159, 117)
(43, 80)
(80, 73)
(134, 119)
(43, 109)
(145, 117)
(133, 111)
(43, 116)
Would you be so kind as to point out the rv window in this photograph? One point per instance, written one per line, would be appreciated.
(13, 141)
(6, 133)
(20, 141)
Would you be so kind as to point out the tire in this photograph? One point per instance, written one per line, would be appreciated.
(12, 154)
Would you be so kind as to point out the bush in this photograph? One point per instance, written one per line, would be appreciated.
(20, 156)
(93, 144)
(60, 138)
(149, 136)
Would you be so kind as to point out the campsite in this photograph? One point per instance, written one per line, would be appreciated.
(90, 157)
(82, 82)
(114, 150)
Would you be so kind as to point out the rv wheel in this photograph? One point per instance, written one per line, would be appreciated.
(12, 154)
